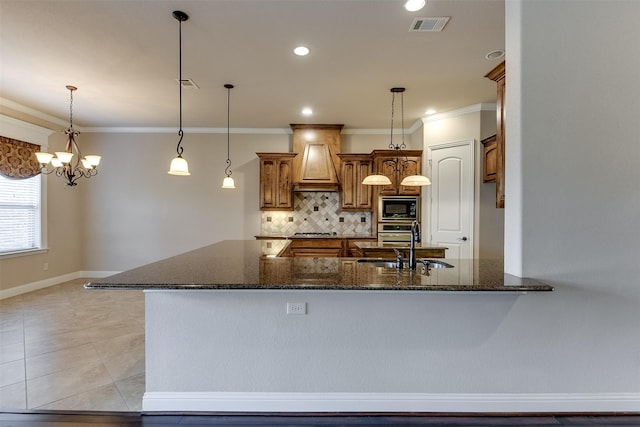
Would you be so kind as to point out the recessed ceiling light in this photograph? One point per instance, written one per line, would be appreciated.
(414, 5)
(430, 111)
(307, 111)
(495, 54)
(301, 51)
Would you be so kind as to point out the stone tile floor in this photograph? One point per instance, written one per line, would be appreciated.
(68, 348)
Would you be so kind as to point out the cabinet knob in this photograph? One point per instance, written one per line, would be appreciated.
(464, 239)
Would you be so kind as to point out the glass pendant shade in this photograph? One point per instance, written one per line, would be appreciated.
(64, 156)
(415, 181)
(44, 158)
(179, 166)
(55, 162)
(228, 183)
(376, 180)
(93, 160)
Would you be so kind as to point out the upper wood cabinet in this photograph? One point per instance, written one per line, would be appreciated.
(384, 164)
(353, 195)
(276, 174)
(489, 161)
(498, 76)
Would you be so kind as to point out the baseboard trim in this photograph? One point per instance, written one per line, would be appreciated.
(391, 402)
(41, 284)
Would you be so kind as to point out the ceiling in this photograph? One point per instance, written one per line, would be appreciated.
(123, 57)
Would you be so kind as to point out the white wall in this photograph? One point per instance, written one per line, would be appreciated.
(137, 213)
(472, 123)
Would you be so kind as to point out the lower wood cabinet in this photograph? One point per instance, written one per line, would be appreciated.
(351, 248)
(317, 247)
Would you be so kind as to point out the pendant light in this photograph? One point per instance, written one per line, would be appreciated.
(401, 162)
(179, 165)
(228, 181)
(68, 164)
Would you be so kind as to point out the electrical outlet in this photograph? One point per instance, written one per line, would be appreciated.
(45, 266)
(296, 308)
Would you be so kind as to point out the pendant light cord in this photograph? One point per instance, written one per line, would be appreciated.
(227, 170)
(179, 148)
(393, 102)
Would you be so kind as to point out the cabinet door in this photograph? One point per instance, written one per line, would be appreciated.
(412, 166)
(353, 195)
(386, 166)
(396, 166)
(490, 159)
(364, 193)
(276, 191)
(284, 195)
(268, 178)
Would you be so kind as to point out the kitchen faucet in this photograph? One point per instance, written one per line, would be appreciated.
(415, 237)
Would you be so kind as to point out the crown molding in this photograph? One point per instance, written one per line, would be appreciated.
(33, 113)
(487, 106)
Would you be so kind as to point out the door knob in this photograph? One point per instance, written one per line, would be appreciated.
(464, 239)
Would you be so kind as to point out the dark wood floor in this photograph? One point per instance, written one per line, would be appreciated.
(61, 419)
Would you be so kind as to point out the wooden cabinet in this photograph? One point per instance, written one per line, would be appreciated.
(353, 250)
(498, 76)
(389, 163)
(276, 173)
(317, 247)
(489, 160)
(353, 195)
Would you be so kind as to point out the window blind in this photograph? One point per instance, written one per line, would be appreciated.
(20, 214)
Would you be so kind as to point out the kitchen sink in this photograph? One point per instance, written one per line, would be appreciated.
(392, 263)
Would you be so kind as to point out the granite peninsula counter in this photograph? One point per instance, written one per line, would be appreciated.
(255, 265)
(233, 327)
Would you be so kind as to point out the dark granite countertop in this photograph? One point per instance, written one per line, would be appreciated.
(255, 265)
(314, 236)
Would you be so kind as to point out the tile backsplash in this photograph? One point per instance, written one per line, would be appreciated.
(315, 212)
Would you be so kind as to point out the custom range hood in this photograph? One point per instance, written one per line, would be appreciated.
(316, 166)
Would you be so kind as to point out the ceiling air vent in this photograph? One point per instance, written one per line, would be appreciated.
(189, 84)
(434, 23)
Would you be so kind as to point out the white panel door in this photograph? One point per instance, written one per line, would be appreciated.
(451, 209)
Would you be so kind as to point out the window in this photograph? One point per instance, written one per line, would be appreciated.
(20, 214)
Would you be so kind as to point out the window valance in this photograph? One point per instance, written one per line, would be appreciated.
(17, 158)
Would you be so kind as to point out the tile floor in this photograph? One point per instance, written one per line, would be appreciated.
(68, 348)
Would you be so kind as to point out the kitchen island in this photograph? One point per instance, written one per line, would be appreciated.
(234, 327)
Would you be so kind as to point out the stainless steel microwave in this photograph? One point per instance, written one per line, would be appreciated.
(399, 208)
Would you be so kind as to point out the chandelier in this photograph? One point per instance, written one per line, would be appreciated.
(400, 163)
(179, 165)
(69, 164)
